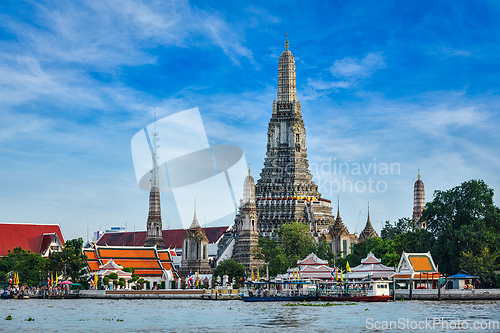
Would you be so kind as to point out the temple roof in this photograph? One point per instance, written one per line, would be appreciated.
(338, 228)
(312, 259)
(368, 231)
(28, 236)
(171, 237)
(146, 261)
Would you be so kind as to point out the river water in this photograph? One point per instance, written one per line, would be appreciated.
(83, 315)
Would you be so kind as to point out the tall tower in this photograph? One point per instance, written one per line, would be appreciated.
(247, 236)
(285, 186)
(154, 228)
(419, 203)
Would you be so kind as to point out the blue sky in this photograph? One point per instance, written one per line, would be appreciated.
(413, 84)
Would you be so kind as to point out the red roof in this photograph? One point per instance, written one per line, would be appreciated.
(26, 236)
(171, 238)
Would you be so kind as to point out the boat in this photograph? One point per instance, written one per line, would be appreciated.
(355, 291)
(279, 290)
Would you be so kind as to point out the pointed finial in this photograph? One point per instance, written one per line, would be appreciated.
(248, 168)
(368, 211)
(286, 41)
(418, 173)
(338, 205)
(195, 209)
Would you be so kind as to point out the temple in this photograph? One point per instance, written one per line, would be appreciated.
(285, 191)
(418, 203)
(195, 251)
(149, 263)
(247, 236)
(339, 237)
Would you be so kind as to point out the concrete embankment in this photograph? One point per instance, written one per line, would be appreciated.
(161, 294)
(448, 294)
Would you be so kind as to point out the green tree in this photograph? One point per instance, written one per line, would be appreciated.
(296, 240)
(401, 227)
(30, 266)
(231, 267)
(465, 222)
(71, 260)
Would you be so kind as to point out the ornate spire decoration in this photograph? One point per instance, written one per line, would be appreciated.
(418, 202)
(154, 235)
(368, 231)
(286, 41)
(195, 223)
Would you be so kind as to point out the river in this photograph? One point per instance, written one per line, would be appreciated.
(83, 315)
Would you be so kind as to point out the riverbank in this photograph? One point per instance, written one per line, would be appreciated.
(448, 294)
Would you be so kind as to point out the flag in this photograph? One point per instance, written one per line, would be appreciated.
(95, 280)
(341, 275)
(16, 276)
(245, 275)
(10, 278)
(258, 276)
(347, 268)
(331, 275)
(336, 274)
(48, 279)
(252, 278)
(197, 278)
(51, 279)
(56, 279)
(190, 280)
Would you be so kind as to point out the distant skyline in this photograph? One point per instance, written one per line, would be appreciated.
(382, 84)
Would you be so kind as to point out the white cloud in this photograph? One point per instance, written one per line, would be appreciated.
(351, 71)
(358, 68)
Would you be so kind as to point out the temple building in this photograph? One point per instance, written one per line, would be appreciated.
(246, 234)
(418, 203)
(285, 191)
(150, 263)
(339, 237)
(195, 251)
(371, 268)
(368, 231)
(154, 226)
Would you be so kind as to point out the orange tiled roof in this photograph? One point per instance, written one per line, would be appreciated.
(145, 261)
(93, 265)
(421, 263)
(153, 264)
(128, 253)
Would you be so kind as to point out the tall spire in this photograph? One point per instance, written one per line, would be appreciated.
(418, 202)
(338, 206)
(154, 234)
(195, 223)
(368, 231)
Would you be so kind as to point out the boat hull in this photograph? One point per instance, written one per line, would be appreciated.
(377, 298)
(277, 298)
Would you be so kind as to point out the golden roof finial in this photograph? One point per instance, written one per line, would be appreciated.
(286, 41)
(418, 173)
(248, 168)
